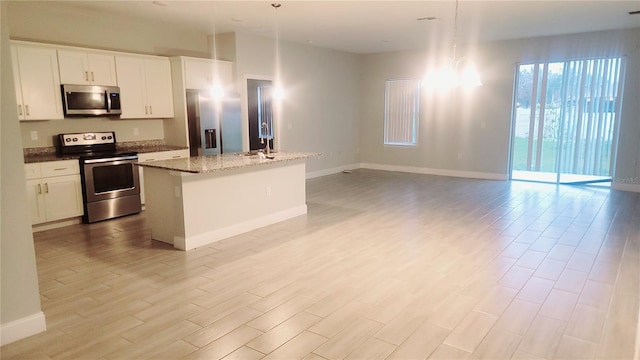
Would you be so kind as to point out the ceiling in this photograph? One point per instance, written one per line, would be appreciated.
(366, 26)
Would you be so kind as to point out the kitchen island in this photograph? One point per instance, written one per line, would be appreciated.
(195, 201)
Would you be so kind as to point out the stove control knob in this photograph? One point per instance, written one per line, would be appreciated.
(109, 137)
(104, 138)
(75, 139)
(67, 139)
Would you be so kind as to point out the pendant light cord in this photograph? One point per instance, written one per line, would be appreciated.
(213, 8)
(276, 6)
(215, 51)
(455, 34)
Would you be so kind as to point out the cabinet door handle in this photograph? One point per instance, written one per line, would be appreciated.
(46, 188)
(26, 108)
(86, 76)
(146, 110)
(39, 189)
(150, 110)
(59, 169)
(19, 109)
(92, 79)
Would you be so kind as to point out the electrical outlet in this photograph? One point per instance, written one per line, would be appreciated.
(34, 135)
(268, 191)
(136, 131)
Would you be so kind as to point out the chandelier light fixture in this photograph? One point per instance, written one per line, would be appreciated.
(457, 72)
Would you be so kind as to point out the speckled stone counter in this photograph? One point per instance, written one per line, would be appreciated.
(43, 154)
(48, 153)
(195, 201)
(147, 146)
(207, 164)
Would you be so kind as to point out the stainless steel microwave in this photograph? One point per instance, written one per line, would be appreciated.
(91, 100)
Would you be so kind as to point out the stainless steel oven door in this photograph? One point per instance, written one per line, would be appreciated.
(109, 178)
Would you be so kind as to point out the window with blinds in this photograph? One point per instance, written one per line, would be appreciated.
(401, 112)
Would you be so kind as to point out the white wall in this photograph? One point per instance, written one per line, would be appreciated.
(20, 313)
(320, 111)
(49, 22)
(53, 22)
(476, 125)
(148, 129)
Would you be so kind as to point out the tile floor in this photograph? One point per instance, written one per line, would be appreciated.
(384, 266)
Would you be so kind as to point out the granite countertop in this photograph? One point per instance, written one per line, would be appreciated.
(213, 163)
(43, 154)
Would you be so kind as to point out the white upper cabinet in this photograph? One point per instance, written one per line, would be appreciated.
(130, 71)
(37, 82)
(145, 87)
(159, 87)
(204, 73)
(86, 68)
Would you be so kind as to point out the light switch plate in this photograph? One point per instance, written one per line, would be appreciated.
(34, 135)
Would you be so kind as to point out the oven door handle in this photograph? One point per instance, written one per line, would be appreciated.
(103, 160)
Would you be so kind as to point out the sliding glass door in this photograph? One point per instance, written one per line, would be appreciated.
(565, 121)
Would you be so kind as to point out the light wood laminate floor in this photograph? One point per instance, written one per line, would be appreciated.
(384, 266)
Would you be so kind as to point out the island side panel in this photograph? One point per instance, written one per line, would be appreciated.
(160, 205)
(222, 204)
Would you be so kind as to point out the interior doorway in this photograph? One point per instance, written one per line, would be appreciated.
(260, 113)
(565, 121)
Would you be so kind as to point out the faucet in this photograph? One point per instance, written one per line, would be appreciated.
(267, 149)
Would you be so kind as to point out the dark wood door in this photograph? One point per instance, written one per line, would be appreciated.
(260, 108)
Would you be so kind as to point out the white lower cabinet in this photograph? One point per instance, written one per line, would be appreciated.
(54, 190)
(160, 155)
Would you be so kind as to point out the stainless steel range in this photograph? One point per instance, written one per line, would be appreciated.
(110, 180)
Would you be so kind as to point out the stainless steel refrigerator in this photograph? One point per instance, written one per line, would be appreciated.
(214, 124)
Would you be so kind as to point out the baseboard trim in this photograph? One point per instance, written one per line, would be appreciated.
(626, 187)
(56, 224)
(439, 172)
(22, 328)
(199, 240)
(335, 170)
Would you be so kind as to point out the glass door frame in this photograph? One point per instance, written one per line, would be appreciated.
(558, 172)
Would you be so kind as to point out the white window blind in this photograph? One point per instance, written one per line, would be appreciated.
(401, 112)
(567, 116)
(592, 94)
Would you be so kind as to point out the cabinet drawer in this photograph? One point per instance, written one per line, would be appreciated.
(176, 154)
(148, 157)
(59, 168)
(32, 171)
(163, 155)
